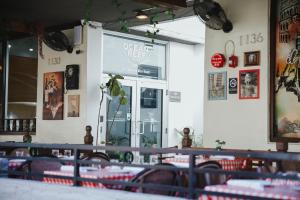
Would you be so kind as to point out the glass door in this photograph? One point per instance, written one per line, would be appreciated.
(120, 119)
(140, 123)
(150, 114)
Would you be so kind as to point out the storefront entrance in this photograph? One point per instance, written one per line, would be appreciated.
(140, 123)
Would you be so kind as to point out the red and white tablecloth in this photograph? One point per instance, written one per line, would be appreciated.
(273, 192)
(101, 174)
(229, 165)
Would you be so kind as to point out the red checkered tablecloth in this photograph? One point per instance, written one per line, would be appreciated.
(103, 174)
(274, 192)
(229, 165)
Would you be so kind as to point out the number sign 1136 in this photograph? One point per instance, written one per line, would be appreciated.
(251, 39)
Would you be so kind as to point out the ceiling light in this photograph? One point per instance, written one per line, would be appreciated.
(31, 49)
(9, 46)
(141, 15)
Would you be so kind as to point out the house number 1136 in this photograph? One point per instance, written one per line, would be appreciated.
(251, 39)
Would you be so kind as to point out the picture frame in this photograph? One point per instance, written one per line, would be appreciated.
(252, 58)
(284, 85)
(217, 86)
(249, 87)
(73, 105)
(53, 96)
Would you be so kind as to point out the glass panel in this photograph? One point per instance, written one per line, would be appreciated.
(151, 117)
(131, 57)
(119, 132)
(1, 75)
(22, 78)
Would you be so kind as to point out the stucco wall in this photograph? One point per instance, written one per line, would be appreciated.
(243, 124)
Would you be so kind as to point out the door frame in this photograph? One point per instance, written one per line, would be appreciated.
(136, 84)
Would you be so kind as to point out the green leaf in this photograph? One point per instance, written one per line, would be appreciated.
(123, 100)
(119, 76)
(122, 93)
(115, 91)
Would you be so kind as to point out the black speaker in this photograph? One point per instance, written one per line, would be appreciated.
(72, 77)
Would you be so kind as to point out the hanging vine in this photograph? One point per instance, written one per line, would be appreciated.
(88, 12)
(122, 18)
(154, 21)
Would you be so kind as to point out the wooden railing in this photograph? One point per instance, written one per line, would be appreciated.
(17, 126)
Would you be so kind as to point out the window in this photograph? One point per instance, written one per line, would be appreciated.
(22, 78)
(131, 57)
(18, 85)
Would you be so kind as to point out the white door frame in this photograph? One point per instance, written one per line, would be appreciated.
(136, 84)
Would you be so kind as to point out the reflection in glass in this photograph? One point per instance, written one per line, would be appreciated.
(119, 133)
(151, 118)
(22, 78)
(1, 76)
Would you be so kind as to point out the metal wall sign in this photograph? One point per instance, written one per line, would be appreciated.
(232, 86)
(174, 96)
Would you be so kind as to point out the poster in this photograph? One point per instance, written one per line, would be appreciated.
(217, 84)
(73, 105)
(285, 72)
(53, 92)
(249, 84)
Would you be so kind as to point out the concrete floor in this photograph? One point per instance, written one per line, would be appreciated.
(13, 189)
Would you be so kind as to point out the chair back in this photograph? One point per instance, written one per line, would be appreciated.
(39, 166)
(205, 179)
(159, 177)
(20, 152)
(100, 157)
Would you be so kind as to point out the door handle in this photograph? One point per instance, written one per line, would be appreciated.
(140, 127)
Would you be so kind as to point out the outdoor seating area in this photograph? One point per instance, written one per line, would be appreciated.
(186, 173)
(150, 99)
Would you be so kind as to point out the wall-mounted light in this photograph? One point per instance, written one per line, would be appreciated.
(9, 46)
(141, 15)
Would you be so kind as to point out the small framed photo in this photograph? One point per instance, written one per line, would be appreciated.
(252, 58)
(249, 84)
(217, 86)
(73, 105)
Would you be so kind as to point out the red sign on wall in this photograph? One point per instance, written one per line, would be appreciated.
(218, 60)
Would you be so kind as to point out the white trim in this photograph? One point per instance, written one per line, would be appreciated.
(135, 37)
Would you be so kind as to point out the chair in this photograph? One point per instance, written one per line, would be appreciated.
(39, 166)
(23, 151)
(156, 176)
(205, 179)
(100, 157)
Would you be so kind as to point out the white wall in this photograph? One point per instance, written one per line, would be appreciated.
(243, 124)
(186, 69)
(189, 29)
(69, 130)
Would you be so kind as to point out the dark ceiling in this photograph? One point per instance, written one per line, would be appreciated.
(51, 13)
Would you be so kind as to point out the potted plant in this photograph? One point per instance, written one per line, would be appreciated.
(111, 89)
(219, 144)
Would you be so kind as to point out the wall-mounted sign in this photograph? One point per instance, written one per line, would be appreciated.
(174, 96)
(137, 51)
(218, 60)
(148, 71)
(232, 86)
(54, 61)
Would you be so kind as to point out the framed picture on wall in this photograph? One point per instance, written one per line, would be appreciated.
(285, 71)
(252, 58)
(73, 105)
(217, 85)
(249, 84)
(53, 96)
